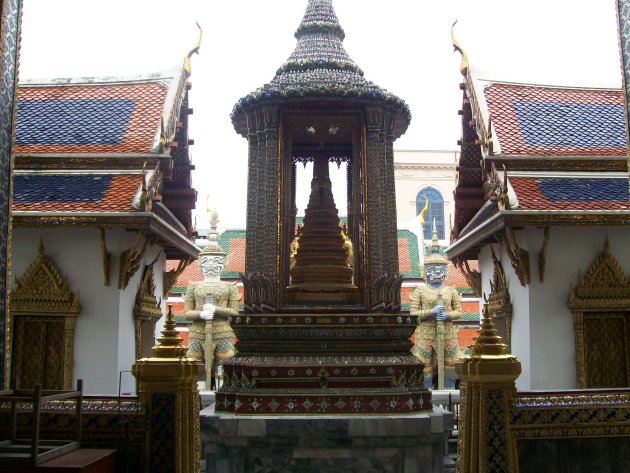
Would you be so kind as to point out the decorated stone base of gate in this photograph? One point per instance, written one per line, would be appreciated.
(409, 443)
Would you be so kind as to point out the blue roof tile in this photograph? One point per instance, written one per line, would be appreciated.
(589, 125)
(584, 190)
(72, 121)
(60, 188)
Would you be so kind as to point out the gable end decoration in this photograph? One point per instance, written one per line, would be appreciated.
(498, 302)
(147, 306)
(43, 290)
(601, 299)
(605, 286)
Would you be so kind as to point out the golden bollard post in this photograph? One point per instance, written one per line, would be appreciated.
(167, 385)
(487, 392)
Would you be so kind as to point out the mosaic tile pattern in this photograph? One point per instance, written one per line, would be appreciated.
(60, 188)
(319, 67)
(104, 118)
(546, 121)
(78, 193)
(72, 121)
(554, 124)
(571, 194)
(11, 12)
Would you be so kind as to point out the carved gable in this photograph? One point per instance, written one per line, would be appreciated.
(43, 290)
(604, 287)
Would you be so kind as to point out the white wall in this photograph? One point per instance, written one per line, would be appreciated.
(542, 326)
(520, 340)
(104, 343)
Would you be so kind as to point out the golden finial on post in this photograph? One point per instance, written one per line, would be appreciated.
(488, 342)
(169, 344)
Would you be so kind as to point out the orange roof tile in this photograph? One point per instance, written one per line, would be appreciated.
(87, 118)
(466, 337)
(456, 277)
(44, 195)
(236, 255)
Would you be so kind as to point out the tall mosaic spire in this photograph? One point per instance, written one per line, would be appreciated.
(319, 67)
(321, 331)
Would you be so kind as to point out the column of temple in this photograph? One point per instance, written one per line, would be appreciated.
(9, 50)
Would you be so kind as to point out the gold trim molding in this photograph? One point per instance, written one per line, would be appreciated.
(542, 256)
(498, 302)
(147, 306)
(604, 289)
(130, 259)
(473, 277)
(519, 257)
(170, 277)
(43, 293)
(105, 256)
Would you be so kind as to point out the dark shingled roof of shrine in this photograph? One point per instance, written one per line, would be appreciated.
(319, 67)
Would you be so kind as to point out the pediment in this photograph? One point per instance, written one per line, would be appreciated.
(43, 290)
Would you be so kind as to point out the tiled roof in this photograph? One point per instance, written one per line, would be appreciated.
(466, 337)
(74, 192)
(178, 308)
(233, 243)
(190, 274)
(99, 118)
(550, 121)
(408, 257)
(564, 193)
(455, 277)
(471, 307)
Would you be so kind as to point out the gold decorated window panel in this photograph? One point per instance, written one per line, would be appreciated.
(39, 352)
(606, 347)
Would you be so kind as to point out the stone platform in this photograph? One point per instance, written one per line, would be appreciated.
(407, 443)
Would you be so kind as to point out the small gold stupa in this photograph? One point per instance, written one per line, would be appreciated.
(321, 273)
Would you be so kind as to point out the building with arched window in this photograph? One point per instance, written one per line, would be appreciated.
(421, 173)
(432, 200)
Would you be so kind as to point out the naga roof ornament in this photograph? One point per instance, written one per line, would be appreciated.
(319, 67)
(463, 67)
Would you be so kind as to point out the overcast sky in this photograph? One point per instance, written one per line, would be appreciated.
(402, 45)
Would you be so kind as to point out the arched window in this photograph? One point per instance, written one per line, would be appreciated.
(434, 211)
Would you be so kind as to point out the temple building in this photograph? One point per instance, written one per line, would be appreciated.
(102, 197)
(546, 216)
(418, 173)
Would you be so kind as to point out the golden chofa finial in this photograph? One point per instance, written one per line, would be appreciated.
(463, 67)
(488, 342)
(194, 50)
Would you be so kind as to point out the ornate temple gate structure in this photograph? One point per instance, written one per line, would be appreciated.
(322, 339)
(326, 322)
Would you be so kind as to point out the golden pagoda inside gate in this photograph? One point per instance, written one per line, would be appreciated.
(321, 331)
